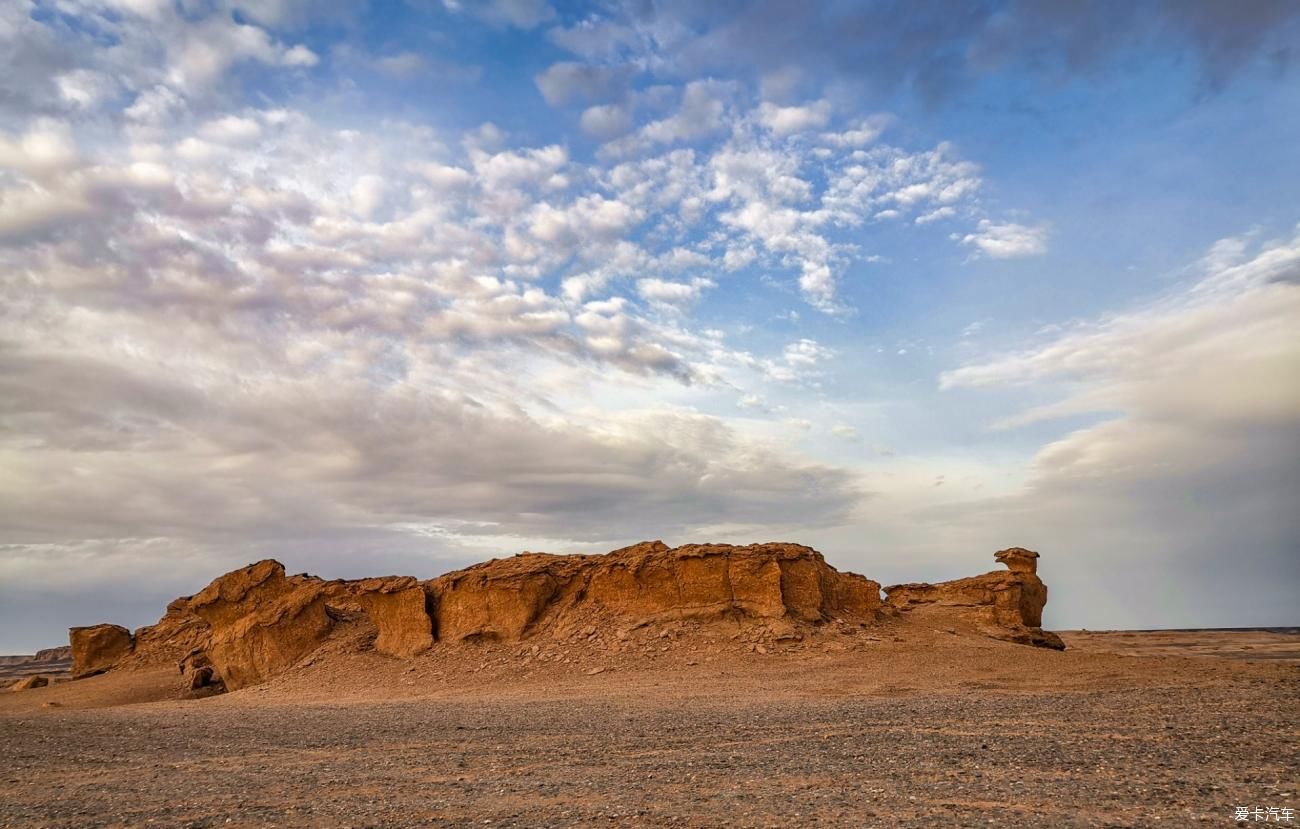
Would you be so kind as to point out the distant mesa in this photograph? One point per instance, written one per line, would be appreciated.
(257, 622)
(22, 672)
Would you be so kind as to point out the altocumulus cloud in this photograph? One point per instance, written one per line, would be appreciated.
(236, 332)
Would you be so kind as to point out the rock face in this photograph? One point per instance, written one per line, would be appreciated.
(399, 608)
(508, 599)
(261, 621)
(1006, 604)
(97, 648)
(176, 634)
(256, 622)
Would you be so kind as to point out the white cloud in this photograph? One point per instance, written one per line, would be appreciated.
(846, 432)
(530, 167)
(780, 85)
(564, 82)
(665, 292)
(791, 120)
(522, 14)
(299, 55)
(443, 176)
(84, 88)
(596, 38)
(606, 121)
(863, 132)
(368, 195)
(701, 113)
(233, 130)
(402, 64)
(806, 352)
(589, 218)
(46, 148)
(1007, 240)
(938, 214)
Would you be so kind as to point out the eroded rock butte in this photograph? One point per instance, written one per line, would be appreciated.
(256, 622)
(1003, 604)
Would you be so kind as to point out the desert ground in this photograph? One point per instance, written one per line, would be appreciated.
(891, 725)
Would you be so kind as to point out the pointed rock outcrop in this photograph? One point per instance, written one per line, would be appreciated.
(1004, 604)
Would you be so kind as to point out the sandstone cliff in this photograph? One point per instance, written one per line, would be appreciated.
(256, 622)
(512, 598)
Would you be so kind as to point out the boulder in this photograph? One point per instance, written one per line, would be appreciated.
(200, 673)
(29, 682)
(202, 677)
(1002, 604)
(97, 648)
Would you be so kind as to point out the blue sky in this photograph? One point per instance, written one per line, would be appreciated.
(394, 287)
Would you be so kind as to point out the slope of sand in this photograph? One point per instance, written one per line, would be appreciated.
(891, 725)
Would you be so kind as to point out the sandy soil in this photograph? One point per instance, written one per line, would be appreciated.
(889, 726)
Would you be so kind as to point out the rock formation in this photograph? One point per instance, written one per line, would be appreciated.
(1001, 604)
(508, 599)
(29, 682)
(256, 622)
(261, 621)
(399, 608)
(97, 648)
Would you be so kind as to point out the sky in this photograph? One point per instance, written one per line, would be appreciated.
(394, 287)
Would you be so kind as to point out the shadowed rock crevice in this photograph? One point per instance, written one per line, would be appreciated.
(257, 622)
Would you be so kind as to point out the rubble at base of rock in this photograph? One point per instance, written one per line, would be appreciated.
(257, 622)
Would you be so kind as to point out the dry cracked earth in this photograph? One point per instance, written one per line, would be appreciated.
(907, 729)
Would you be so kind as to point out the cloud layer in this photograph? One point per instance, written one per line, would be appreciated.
(276, 280)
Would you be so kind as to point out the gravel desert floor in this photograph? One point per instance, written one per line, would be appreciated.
(895, 727)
